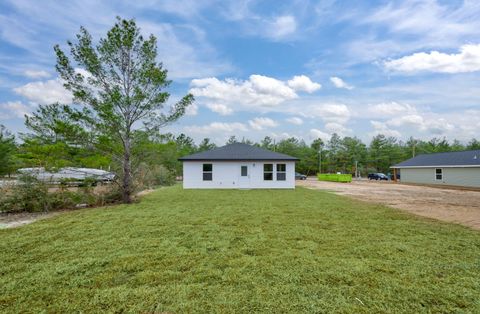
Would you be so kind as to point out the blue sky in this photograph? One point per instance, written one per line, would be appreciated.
(291, 68)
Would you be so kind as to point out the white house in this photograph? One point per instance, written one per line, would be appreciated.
(238, 166)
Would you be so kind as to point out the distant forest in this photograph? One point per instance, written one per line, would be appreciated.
(338, 154)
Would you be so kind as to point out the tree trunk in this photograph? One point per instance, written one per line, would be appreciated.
(127, 174)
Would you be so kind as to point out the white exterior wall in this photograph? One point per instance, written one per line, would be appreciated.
(451, 176)
(226, 175)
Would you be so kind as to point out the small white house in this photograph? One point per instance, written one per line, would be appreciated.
(238, 166)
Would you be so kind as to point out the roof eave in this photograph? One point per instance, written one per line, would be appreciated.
(436, 166)
(245, 159)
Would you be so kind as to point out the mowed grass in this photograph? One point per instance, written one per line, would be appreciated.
(240, 251)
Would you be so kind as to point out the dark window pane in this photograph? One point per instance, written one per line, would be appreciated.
(244, 171)
(438, 171)
(207, 167)
(268, 167)
(268, 176)
(281, 176)
(207, 176)
(439, 177)
(281, 167)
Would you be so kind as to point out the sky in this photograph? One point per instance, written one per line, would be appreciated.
(304, 69)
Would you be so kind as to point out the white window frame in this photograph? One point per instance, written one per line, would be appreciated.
(441, 174)
(207, 172)
(281, 172)
(243, 167)
(271, 172)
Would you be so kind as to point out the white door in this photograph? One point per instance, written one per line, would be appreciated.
(244, 179)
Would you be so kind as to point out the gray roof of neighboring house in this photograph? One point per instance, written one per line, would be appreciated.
(450, 159)
(237, 151)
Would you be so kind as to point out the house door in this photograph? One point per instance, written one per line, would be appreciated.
(244, 180)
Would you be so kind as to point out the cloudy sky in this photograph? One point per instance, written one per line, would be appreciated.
(277, 68)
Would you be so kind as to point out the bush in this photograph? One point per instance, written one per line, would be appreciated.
(151, 176)
(335, 177)
(32, 195)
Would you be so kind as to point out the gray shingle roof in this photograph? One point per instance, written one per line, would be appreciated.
(451, 159)
(238, 151)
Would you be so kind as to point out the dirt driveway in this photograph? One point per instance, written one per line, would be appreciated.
(450, 205)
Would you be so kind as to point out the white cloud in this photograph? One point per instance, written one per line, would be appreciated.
(36, 74)
(294, 120)
(220, 109)
(467, 60)
(339, 83)
(261, 123)
(382, 128)
(281, 27)
(316, 133)
(184, 50)
(192, 110)
(16, 108)
(45, 92)
(340, 129)
(338, 113)
(390, 109)
(303, 83)
(257, 93)
(216, 127)
(407, 120)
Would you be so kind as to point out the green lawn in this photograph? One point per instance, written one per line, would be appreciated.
(240, 251)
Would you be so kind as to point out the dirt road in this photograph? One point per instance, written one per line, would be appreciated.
(450, 205)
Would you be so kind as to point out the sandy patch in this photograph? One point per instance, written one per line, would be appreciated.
(19, 219)
(452, 205)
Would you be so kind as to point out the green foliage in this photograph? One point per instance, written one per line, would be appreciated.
(335, 177)
(151, 176)
(119, 85)
(205, 145)
(230, 251)
(32, 195)
(7, 150)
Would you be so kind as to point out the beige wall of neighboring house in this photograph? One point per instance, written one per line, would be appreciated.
(460, 176)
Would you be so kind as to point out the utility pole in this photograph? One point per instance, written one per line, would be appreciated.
(356, 169)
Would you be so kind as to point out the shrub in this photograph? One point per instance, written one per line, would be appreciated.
(149, 176)
(32, 195)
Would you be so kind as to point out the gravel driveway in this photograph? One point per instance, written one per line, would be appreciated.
(452, 205)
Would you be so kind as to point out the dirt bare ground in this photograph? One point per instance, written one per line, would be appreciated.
(451, 205)
(19, 219)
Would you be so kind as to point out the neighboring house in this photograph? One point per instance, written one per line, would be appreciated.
(238, 166)
(452, 168)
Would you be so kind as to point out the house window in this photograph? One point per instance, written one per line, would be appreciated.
(207, 172)
(268, 172)
(281, 172)
(244, 171)
(438, 174)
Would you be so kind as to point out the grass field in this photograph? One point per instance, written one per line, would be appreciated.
(240, 251)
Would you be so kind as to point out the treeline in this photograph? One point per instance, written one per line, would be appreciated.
(338, 154)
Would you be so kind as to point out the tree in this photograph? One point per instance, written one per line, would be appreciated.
(119, 86)
(7, 149)
(232, 140)
(473, 144)
(205, 144)
(267, 143)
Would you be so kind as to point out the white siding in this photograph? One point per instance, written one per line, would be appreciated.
(469, 177)
(226, 175)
